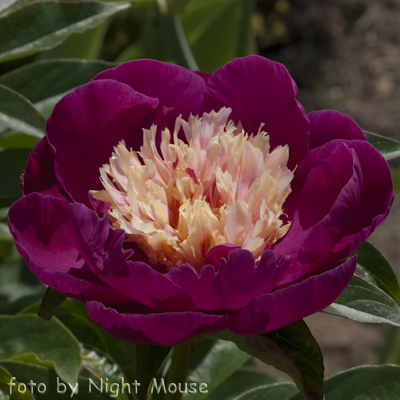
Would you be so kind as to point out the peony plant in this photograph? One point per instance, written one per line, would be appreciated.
(178, 225)
(176, 204)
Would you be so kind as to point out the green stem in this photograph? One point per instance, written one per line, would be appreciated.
(149, 395)
(178, 371)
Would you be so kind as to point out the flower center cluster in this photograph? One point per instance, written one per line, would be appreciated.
(222, 186)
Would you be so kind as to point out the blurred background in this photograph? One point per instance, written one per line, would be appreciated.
(342, 54)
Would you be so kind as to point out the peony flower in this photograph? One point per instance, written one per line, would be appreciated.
(177, 204)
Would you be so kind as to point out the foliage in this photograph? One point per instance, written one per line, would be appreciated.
(54, 45)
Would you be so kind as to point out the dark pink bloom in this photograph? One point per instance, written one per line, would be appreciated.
(341, 190)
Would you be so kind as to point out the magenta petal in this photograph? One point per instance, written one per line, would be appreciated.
(327, 125)
(334, 225)
(374, 205)
(142, 283)
(204, 75)
(165, 329)
(217, 252)
(108, 260)
(378, 195)
(162, 117)
(325, 209)
(42, 226)
(45, 237)
(84, 127)
(282, 307)
(100, 207)
(71, 286)
(261, 91)
(176, 87)
(237, 282)
(38, 175)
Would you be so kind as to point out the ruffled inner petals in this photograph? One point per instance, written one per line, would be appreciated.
(222, 186)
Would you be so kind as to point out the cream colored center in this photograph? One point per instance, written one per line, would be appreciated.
(224, 186)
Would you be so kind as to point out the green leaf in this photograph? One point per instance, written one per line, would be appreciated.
(374, 262)
(6, 242)
(148, 361)
(365, 302)
(175, 41)
(363, 383)
(245, 34)
(98, 367)
(132, 52)
(44, 83)
(26, 334)
(15, 306)
(19, 113)
(122, 353)
(211, 29)
(51, 301)
(214, 30)
(244, 379)
(277, 391)
(17, 140)
(172, 6)
(5, 232)
(214, 366)
(6, 6)
(16, 282)
(52, 386)
(389, 148)
(148, 37)
(291, 349)
(50, 23)
(31, 358)
(74, 316)
(200, 350)
(4, 212)
(12, 162)
(98, 364)
(43, 79)
(5, 249)
(5, 378)
(84, 45)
